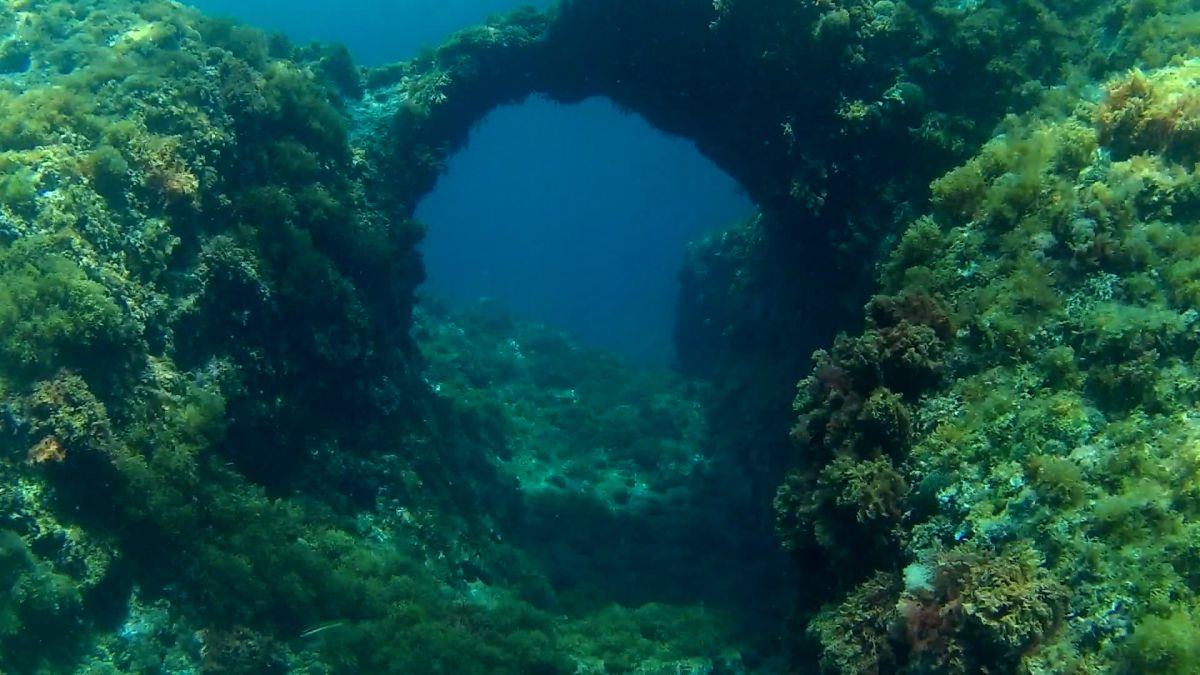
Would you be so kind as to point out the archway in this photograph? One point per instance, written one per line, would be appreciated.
(685, 70)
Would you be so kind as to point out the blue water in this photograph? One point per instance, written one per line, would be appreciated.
(575, 216)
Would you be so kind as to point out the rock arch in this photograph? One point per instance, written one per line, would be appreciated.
(616, 50)
(819, 110)
(833, 117)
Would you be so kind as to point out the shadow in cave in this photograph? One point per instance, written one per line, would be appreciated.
(579, 218)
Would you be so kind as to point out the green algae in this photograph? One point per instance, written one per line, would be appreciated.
(129, 257)
(1064, 423)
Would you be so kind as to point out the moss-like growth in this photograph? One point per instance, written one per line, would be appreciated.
(207, 266)
(1072, 346)
(858, 637)
(1157, 113)
(1164, 644)
(40, 606)
(53, 315)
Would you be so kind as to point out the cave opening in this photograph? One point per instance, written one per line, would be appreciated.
(577, 217)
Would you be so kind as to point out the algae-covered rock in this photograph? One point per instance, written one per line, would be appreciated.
(1060, 439)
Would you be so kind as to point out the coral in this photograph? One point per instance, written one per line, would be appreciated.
(49, 450)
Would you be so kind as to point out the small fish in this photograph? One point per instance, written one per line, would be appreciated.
(321, 628)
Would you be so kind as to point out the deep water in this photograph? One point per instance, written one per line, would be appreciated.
(577, 216)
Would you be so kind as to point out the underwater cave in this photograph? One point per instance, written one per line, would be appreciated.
(577, 216)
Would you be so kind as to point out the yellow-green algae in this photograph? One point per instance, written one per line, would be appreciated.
(1049, 517)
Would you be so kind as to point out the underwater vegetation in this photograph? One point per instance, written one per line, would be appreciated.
(234, 442)
(1013, 436)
